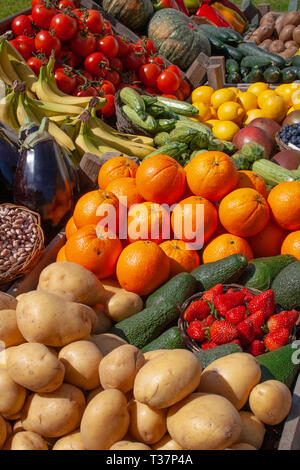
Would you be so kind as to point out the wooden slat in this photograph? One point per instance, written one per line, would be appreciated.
(290, 438)
(219, 60)
(293, 5)
(215, 76)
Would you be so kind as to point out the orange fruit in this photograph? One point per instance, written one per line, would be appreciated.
(284, 202)
(267, 242)
(244, 212)
(125, 187)
(226, 245)
(291, 245)
(211, 175)
(148, 221)
(187, 222)
(114, 168)
(182, 257)
(61, 255)
(161, 179)
(85, 212)
(249, 179)
(142, 267)
(70, 228)
(95, 249)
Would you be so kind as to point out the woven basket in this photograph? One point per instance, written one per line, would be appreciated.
(21, 267)
(123, 123)
(282, 145)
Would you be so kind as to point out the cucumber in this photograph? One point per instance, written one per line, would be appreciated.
(149, 123)
(160, 111)
(280, 365)
(170, 339)
(162, 138)
(286, 287)
(216, 43)
(233, 36)
(179, 107)
(133, 99)
(173, 149)
(251, 61)
(207, 356)
(143, 327)
(179, 288)
(232, 66)
(224, 271)
(190, 124)
(289, 74)
(272, 74)
(255, 75)
(249, 48)
(232, 52)
(234, 77)
(184, 135)
(274, 174)
(214, 31)
(165, 125)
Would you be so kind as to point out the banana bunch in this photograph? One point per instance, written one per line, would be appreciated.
(13, 67)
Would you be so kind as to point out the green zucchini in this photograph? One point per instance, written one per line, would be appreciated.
(179, 107)
(296, 60)
(251, 62)
(233, 36)
(249, 48)
(216, 44)
(200, 141)
(133, 99)
(184, 135)
(189, 123)
(232, 52)
(255, 75)
(234, 77)
(149, 123)
(241, 162)
(272, 74)
(159, 111)
(162, 138)
(173, 149)
(274, 174)
(169, 339)
(165, 125)
(232, 66)
(289, 74)
(210, 31)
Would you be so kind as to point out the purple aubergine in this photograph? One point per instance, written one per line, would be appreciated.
(8, 162)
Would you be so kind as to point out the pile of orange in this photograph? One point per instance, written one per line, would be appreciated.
(176, 217)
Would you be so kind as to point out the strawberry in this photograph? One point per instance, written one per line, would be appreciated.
(276, 339)
(236, 341)
(197, 311)
(256, 348)
(225, 302)
(210, 294)
(209, 320)
(248, 295)
(258, 321)
(245, 332)
(236, 314)
(264, 303)
(222, 332)
(284, 319)
(196, 330)
(208, 345)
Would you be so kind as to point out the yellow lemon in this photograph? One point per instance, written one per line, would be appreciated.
(212, 122)
(251, 115)
(231, 111)
(204, 111)
(296, 99)
(264, 95)
(258, 87)
(213, 112)
(248, 100)
(274, 108)
(222, 96)
(234, 89)
(286, 92)
(225, 130)
(202, 94)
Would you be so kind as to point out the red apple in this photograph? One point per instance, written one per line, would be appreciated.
(269, 126)
(253, 134)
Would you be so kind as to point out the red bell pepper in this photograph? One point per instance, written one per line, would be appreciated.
(175, 4)
(212, 15)
(231, 5)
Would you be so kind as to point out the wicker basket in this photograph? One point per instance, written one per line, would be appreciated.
(282, 145)
(123, 123)
(23, 266)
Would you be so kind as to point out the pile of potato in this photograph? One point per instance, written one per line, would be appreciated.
(64, 386)
(278, 33)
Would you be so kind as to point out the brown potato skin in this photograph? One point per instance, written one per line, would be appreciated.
(12, 395)
(270, 401)
(9, 332)
(71, 441)
(25, 440)
(129, 445)
(147, 424)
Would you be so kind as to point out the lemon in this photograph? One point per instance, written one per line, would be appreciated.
(274, 108)
(286, 92)
(234, 89)
(247, 100)
(213, 112)
(258, 87)
(222, 96)
(204, 112)
(202, 94)
(225, 130)
(264, 95)
(251, 115)
(296, 99)
(212, 122)
(231, 111)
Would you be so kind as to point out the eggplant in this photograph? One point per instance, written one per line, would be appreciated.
(8, 163)
(42, 182)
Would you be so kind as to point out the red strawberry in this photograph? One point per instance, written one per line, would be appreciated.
(245, 332)
(237, 341)
(258, 321)
(208, 345)
(236, 314)
(225, 302)
(209, 320)
(197, 311)
(284, 319)
(277, 339)
(196, 330)
(222, 332)
(264, 303)
(248, 295)
(211, 293)
(256, 348)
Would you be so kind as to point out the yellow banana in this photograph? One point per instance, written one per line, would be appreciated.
(139, 139)
(51, 109)
(3, 66)
(24, 112)
(19, 65)
(6, 66)
(8, 107)
(86, 141)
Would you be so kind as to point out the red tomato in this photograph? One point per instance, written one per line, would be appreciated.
(185, 89)
(64, 26)
(46, 42)
(109, 46)
(65, 4)
(148, 44)
(123, 46)
(107, 31)
(24, 45)
(160, 61)
(171, 97)
(77, 12)
(35, 64)
(82, 91)
(109, 109)
(22, 25)
(168, 82)
(83, 44)
(179, 95)
(149, 73)
(35, 2)
(42, 15)
(135, 59)
(116, 64)
(151, 91)
(65, 81)
(113, 77)
(96, 64)
(94, 21)
(107, 88)
(67, 57)
(176, 70)
(81, 80)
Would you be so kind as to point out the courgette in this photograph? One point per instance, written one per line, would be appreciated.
(232, 52)
(149, 123)
(183, 134)
(173, 149)
(221, 35)
(249, 48)
(216, 44)
(190, 124)
(169, 339)
(255, 75)
(207, 356)
(179, 107)
(133, 99)
(234, 78)
(200, 141)
(289, 74)
(165, 125)
(162, 138)
(233, 36)
(296, 61)
(241, 162)
(232, 66)
(179, 288)
(274, 174)
(272, 74)
(160, 111)
(251, 61)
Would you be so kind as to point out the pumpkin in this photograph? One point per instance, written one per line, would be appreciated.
(132, 13)
(177, 38)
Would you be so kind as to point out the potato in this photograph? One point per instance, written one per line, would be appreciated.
(167, 379)
(286, 33)
(118, 369)
(123, 305)
(288, 53)
(253, 430)
(265, 31)
(72, 278)
(105, 420)
(147, 424)
(7, 302)
(9, 332)
(290, 44)
(296, 35)
(9, 430)
(4, 356)
(12, 395)
(46, 318)
(277, 46)
(266, 44)
(268, 17)
(72, 441)
(17, 427)
(107, 342)
(242, 446)
(279, 23)
(149, 355)
(93, 393)
(3, 431)
(111, 288)
(102, 323)
(293, 17)
(166, 443)
(36, 368)
(129, 445)
(54, 414)
(25, 440)
(231, 376)
(270, 401)
(204, 422)
(81, 360)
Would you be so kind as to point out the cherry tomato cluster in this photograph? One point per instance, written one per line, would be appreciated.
(91, 59)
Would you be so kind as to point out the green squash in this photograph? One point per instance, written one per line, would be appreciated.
(177, 38)
(132, 13)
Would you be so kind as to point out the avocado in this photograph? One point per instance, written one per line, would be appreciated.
(286, 287)
(170, 339)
